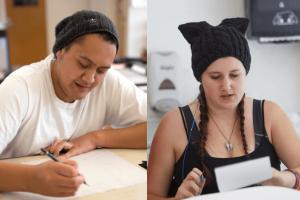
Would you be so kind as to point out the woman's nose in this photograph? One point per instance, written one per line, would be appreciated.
(226, 84)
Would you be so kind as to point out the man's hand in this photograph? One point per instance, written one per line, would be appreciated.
(57, 179)
(74, 147)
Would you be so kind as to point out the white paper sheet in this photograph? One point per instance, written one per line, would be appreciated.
(103, 171)
(243, 174)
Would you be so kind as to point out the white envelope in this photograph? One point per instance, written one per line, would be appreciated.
(243, 174)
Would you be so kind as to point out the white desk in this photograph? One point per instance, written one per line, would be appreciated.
(135, 192)
(254, 193)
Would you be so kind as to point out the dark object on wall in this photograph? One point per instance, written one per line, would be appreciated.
(274, 20)
(25, 2)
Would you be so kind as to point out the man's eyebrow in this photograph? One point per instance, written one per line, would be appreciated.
(90, 61)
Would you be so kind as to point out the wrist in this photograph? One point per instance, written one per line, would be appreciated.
(98, 139)
(27, 178)
(296, 179)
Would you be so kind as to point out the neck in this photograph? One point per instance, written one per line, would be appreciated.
(57, 89)
(229, 114)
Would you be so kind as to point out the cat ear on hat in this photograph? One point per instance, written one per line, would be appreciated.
(240, 24)
(192, 30)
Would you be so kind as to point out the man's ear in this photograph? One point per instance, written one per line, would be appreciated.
(60, 54)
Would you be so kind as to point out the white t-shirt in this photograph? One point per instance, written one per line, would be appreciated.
(32, 116)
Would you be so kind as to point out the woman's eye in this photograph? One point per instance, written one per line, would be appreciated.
(234, 75)
(215, 77)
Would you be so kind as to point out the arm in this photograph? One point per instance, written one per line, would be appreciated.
(168, 144)
(49, 178)
(285, 141)
(130, 137)
(161, 160)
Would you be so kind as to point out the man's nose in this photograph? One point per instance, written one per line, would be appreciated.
(89, 76)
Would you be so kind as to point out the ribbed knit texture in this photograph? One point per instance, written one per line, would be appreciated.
(209, 43)
(81, 23)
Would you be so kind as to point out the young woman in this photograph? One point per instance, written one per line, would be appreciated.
(222, 126)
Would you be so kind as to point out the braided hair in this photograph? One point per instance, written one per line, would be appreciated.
(203, 129)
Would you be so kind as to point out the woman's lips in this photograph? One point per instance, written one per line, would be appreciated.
(227, 96)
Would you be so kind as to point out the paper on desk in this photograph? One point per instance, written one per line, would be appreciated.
(102, 169)
(243, 174)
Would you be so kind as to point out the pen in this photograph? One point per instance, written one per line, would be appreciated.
(50, 155)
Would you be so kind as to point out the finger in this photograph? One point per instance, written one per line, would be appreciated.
(66, 148)
(72, 152)
(194, 188)
(61, 145)
(200, 176)
(198, 171)
(72, 163)
(71, 183)
(67, 170)
(53, 145)
(186, 194)
(194, 176)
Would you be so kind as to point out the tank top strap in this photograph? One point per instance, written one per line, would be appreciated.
(258, 121)
(188, 119)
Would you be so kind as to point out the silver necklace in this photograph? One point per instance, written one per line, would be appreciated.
(228, 144)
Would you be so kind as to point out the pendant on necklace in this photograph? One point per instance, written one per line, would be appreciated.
(228, 146)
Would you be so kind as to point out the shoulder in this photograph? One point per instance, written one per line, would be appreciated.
(115, 81)
(171, 128)
(271, 109)
(32, 72)
(113, 76)
(169, 124)
(275, 118)
(171, 117)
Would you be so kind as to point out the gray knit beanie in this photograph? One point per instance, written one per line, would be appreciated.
(81, 23)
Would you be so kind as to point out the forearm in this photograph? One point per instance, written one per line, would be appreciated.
(14, 177)
(129, 137)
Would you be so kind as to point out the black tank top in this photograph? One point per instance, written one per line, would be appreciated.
(190, 157)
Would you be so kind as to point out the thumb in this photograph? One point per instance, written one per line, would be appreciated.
(70, 153)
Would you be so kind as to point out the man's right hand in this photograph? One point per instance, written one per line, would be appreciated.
(57, 179)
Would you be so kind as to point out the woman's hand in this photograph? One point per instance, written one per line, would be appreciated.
(192, 185)
(74, 147)
(58, 179)
(281, 178)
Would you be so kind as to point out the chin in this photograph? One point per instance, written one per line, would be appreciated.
(80, 96)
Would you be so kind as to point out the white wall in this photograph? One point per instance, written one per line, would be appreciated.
(137, 30)
(2, 15)
(56, 10)
(275, 68)
(105, 6)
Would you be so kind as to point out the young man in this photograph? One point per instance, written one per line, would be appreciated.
(63, 102)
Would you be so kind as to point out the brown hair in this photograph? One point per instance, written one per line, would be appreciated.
(203, 129)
